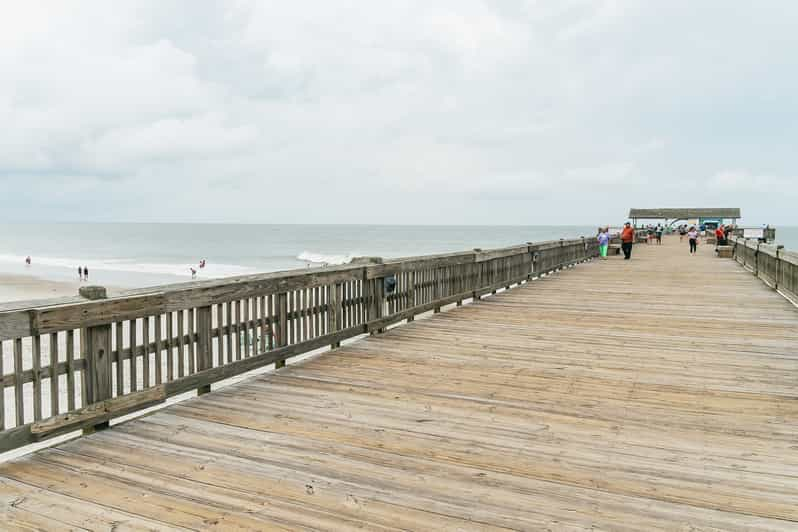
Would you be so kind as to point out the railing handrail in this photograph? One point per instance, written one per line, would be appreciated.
(281, 276)
(774, 265)
(140, 346)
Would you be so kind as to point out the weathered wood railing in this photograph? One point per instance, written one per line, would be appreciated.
(75, 363)
(773, 264)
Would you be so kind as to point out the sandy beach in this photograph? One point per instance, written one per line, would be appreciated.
(15, 287)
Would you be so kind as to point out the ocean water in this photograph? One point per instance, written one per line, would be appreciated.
(135, 255)
(788, 237)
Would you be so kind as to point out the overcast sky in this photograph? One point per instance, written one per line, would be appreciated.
(452, 111)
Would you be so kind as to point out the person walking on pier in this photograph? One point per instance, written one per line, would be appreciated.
(627, 240)
(692, 236)
(604, 241)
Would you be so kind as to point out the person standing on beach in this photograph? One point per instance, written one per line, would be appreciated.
(692, 236)
(85, 273)
(627, 240)
(604, 242)
(80, 272)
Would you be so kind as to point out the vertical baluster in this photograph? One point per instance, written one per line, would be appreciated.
(2, 390)
(263, 328)
(158, 348)
(305, 314)
(145, 340)
(270, 314)
(18, 388)
(70, 362)
(204, 345)
(246, 328)
(237, 328)
(37, 377)
(181, 361)
(229, 327)
(192, 341)
(220, 336)
(120, 367)
(170, 370)
(282, 316)
(291, 321)
(131, 325)
(53, 374)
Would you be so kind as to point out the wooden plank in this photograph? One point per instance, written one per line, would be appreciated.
(15, 324)
(98, 412)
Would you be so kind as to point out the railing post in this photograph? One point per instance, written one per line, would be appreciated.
(377, 310)
(756, 260)
(411, 293)
(436, 288)
(334, 311)
(204, 344)
(778, 267)
(96, 343)
(282, 322)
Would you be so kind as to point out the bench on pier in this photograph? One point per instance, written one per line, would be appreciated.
(725, 252)
(614, 249)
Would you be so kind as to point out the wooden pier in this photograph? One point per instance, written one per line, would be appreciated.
(656, 393)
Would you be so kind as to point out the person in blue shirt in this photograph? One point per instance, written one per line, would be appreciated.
(604, 242)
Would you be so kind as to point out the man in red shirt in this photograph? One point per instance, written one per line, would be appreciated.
(627, 239)
(720, 236)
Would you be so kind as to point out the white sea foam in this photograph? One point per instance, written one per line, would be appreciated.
(321, 258)
(210, 270)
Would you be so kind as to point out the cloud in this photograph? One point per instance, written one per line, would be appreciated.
(744, 181)
(403, 112)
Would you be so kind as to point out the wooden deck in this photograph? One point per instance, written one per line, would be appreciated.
(658, 393)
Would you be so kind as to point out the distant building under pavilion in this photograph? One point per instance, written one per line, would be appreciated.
(707, 217)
